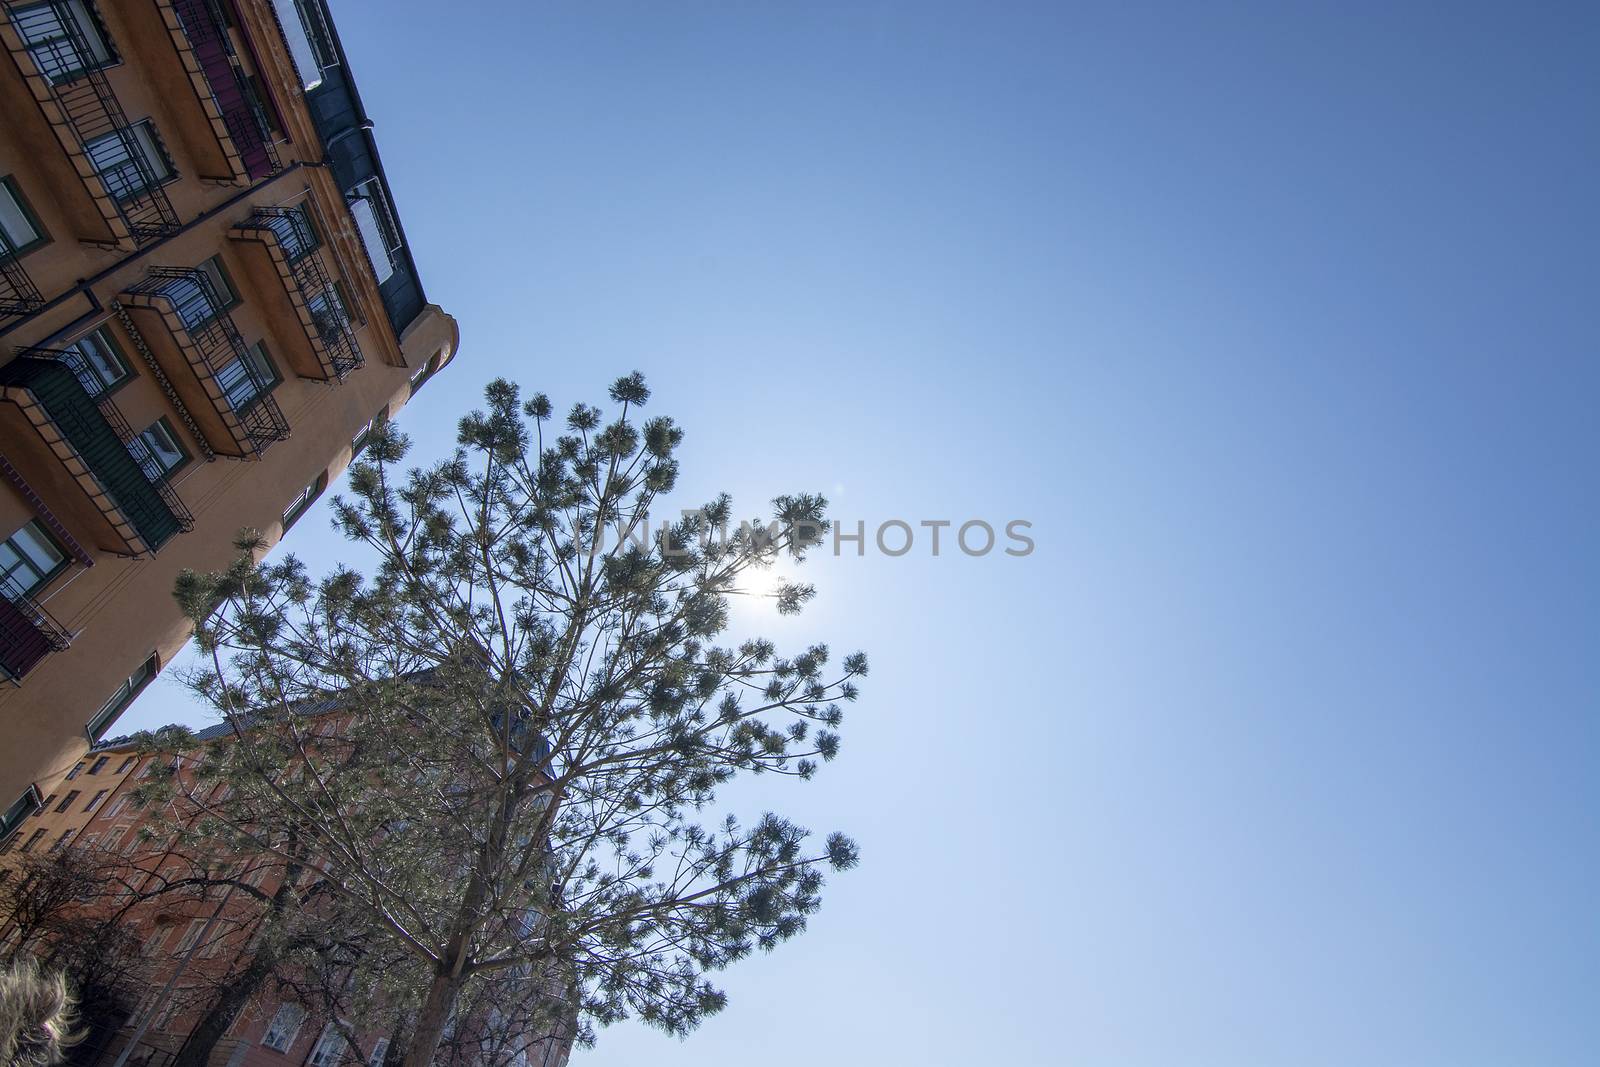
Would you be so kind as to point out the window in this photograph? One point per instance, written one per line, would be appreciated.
(201, 296)
(308, 45)
(74, 772)
(328, 313)
(363, 437)
(64, 39)
(19, 228)
(221, 283)
(61, 842)
(380, 1051)
(329, 1049)
(119, 806)
(99, 764)
(164, 1020)
(424, 373)
(190, 936)
(94, 801)
(284, 1026)
(66, 801)
(212, 946)
(375, 225)
(130, 688)
(97, 362)
(155, 940)
(261, 104)
(91, 840)
(20, 809)
(33, 839)
(28, 560)
(248, 377)
(157, 450)
(302, 503)
(297, 233)
(130, 160)
(49, 800)
(126, 764)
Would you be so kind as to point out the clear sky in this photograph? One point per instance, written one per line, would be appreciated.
(1279, 323)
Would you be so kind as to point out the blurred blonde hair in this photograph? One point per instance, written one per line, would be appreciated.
(36, 1017)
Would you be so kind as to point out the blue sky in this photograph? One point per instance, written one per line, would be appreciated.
(1278, 322)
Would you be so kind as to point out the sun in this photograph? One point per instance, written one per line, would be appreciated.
(760, 583)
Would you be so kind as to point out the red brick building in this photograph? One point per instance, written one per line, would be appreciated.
(194, 940)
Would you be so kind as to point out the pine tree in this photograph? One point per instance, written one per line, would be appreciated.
(502, 748)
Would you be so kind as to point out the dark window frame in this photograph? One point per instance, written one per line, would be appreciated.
(107, 340)
(363, 437)
(41, 235)
(185, 457)
(429, 369)
(28, 802)
(163, 158)
(258, 348)
(302, 503)
(50, 575)
(118, 702)
(113, 55)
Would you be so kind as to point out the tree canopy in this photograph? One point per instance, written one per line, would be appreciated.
(499, 753)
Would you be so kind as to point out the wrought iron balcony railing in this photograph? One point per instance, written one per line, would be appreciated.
(216, 345)
(330, 322)
(57, 46)
(154, 472)
(69, 394)
(18, 294)
(206, 29)
(28, 633)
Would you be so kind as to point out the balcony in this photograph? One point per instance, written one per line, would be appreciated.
(18, 294)
(244, 131)
(188, 330)
(330, 351)
(61, 59)
(27, 634)
(59, 395)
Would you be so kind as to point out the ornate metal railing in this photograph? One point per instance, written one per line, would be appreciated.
(216, 344)
(329, 318)
(54, 44)
(149, 466)
(28, 633)
(205, 27)
(18, 294)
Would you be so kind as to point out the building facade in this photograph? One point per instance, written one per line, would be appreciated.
(197, 943)
(206, 302)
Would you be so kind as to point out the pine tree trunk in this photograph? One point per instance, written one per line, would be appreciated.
(196, 1050)
(433, 1018)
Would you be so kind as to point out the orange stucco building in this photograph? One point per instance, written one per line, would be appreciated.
(206, 300)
